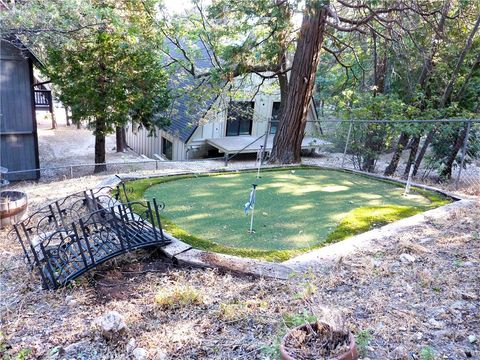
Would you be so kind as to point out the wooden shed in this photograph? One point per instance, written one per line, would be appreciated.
(18, 127)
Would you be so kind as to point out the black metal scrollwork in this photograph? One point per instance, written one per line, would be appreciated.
(65, 239)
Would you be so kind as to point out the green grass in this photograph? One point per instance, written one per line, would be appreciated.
(296, 210)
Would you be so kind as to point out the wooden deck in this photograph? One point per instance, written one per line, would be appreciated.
(234, 144)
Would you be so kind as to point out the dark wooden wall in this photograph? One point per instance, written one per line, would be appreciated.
(18, 130)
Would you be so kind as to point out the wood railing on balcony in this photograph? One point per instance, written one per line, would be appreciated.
(43, 100)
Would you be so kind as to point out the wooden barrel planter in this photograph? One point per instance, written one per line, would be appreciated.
(318, 341)
(13, 207)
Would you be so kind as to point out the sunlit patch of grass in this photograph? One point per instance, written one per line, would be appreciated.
(178, 297)
(236, 311)
(368, 217)
(295, 211)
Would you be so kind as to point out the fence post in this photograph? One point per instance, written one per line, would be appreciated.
(464, 152)
(346, 143)
(71, 172)
(265, 142)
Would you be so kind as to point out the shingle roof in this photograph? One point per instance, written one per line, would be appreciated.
(186, 108)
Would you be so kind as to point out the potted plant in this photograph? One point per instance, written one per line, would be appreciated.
(318, 341)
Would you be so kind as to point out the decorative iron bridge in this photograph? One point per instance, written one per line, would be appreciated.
(69, 237)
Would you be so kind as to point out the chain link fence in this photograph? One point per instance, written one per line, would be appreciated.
(444, 153)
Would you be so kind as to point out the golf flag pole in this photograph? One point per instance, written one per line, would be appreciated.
(250, 205)
(409, 182)
(259, 160)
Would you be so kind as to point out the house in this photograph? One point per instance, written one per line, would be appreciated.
(216, 123)
(18, 128)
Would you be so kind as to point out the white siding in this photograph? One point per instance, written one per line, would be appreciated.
(213, 125)
(142, 143)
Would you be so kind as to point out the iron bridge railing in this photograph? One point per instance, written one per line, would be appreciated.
(69, 237)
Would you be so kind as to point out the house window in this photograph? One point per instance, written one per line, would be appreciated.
(240, 118)
(167, 148)
(275, 117)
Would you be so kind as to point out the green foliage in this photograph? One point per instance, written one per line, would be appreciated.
(427, 353)
(362, 339)
(115, 73)
(20, 355)
(292, 320)
(103, 58)
(348, 87)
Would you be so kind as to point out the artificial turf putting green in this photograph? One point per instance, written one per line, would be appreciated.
(295, 210)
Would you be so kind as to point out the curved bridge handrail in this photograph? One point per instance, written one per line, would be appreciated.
(71, 250)
(60, 213)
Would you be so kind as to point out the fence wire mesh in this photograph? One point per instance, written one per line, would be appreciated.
(444, 153)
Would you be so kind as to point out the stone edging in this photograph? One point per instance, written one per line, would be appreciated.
(182, 253)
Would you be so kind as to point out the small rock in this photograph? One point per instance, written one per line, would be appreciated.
(407, 258)
(160, 355)
(376, 263)
(140, 354)
(436, 324)
(468, 264)
(440, 334)
(399, 353)
(469, 296)
(111, 324)
(131, 345)
(472, 339)
(425, 240)
(419, 335)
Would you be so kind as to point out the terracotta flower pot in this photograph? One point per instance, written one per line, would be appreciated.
(351, 354)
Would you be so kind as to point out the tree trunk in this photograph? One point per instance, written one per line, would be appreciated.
(100, 129)
(120, 139)
(288, 140)
(449, 88)
(466, 82)
(54, 121)
(460, 139)
(282, 57)
(374, 141)
(392, 166)
(424, 148)
(67, 116)
(373, 146)
(428, 64)
(445, 99)
(413, 154)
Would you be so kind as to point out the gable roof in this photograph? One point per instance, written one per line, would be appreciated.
(186, 110)
(15, 42)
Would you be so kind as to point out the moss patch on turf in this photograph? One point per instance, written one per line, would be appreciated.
(298, 209)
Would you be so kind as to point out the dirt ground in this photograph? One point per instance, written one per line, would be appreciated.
(397, 309)
(68, 145)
